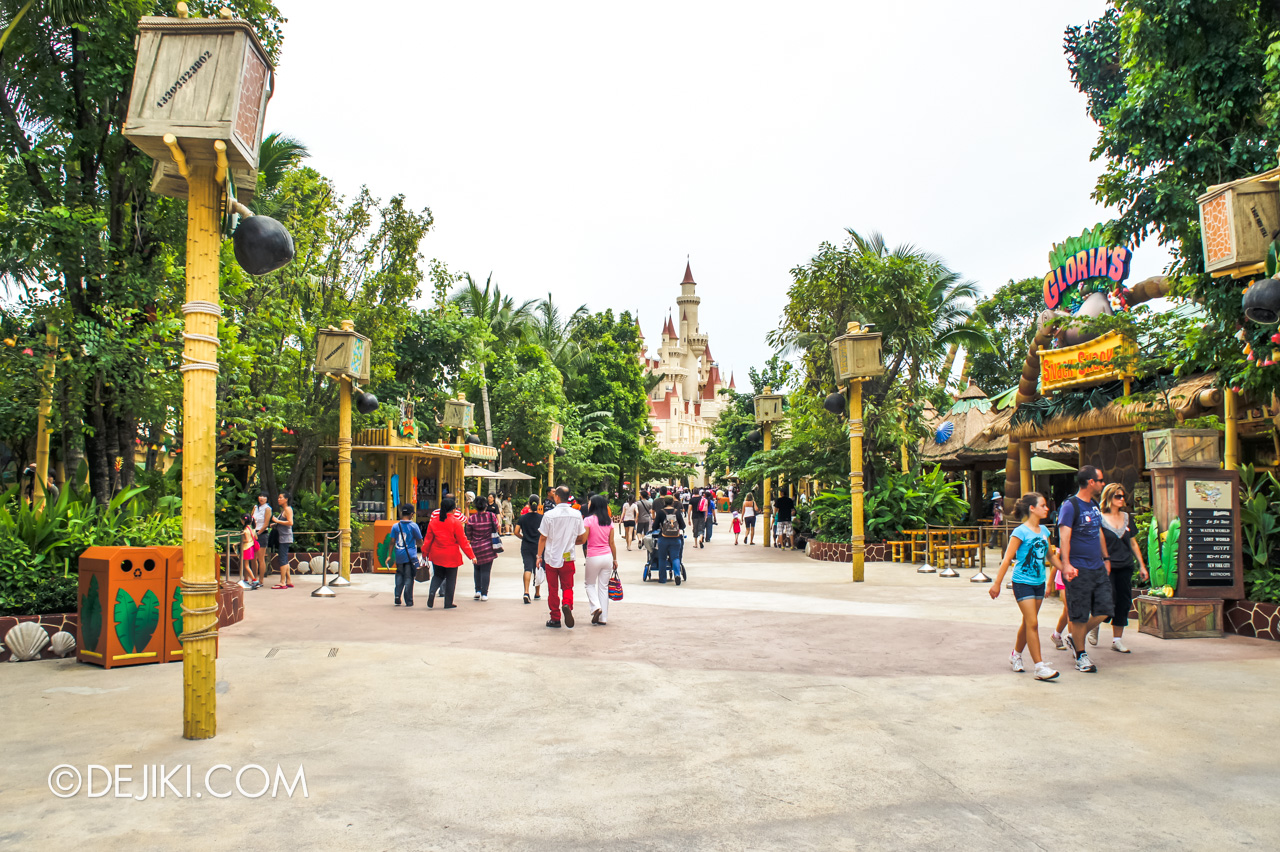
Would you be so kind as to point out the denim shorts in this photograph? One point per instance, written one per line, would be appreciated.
(1025, 591)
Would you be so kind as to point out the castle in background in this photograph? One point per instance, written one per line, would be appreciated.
(685, 404)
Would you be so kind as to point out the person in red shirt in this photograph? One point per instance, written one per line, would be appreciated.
(444, 542)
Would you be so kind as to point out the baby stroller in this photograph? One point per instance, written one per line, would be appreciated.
(650, 542)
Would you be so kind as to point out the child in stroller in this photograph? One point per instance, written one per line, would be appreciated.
(651, 566)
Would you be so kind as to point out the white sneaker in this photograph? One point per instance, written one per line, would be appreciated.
(244, 584)
(484, 597)
(1015, 662)
(1068, 644)
(1043, 672)
(477, 597)
(1057, 641)
(1093, 636)
(1118, 645)
(1084, 664)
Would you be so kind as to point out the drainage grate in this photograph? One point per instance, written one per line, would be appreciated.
(333, 652)
(272, 653)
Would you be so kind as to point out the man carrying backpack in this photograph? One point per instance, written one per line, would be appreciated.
(1085, 566)
(670, 524)
(405, 538)
(698, 516)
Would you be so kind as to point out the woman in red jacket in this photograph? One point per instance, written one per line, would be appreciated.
(444, 543)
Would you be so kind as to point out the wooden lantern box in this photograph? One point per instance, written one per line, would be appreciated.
(166, 180)
(342, 352)
(1182, 448)
(1238, 221)
(856, 354)
(1179, 618)
(201, 79)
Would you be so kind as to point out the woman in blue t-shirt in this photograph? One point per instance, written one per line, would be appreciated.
(1028, 551)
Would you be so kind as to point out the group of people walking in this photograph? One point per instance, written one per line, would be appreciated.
(1093, 566)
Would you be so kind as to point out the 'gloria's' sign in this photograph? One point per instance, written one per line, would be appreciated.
(1086, 263)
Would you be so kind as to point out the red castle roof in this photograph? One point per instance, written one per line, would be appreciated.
(688, 275)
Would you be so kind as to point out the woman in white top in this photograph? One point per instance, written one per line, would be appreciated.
(749, 512)
(629, 511)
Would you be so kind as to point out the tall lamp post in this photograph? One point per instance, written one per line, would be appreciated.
(557, 434)
(343, 355)
(768, 411)
(856, 356)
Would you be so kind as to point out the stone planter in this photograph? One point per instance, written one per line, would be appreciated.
(1250, 618)
(842, 551)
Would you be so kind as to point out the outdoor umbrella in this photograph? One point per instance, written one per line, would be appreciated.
(1042, 465)
(483, 473)
(511, 473)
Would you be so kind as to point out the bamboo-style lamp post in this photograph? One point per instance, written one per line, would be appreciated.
(557, 434)
(344, 356)
(42, 420)
(856, 356)
(768, 411)
(199, 97)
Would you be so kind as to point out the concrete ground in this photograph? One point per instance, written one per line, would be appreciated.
(766, 704)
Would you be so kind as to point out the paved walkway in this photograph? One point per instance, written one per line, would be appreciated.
(767, 704)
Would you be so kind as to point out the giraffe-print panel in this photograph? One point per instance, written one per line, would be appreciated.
(1215, 217)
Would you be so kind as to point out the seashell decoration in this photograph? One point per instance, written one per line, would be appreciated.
(63, 643)
(334, 568)
(316, 565)
(26, 641)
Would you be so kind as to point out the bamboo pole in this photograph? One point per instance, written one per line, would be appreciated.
(768, 498)
(199, 388)
(857, 539)
(344, 469)
(42, 421)
(1231, 437)
(1024, 468)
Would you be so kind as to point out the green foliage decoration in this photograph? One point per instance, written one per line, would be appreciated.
(135, 620)
(91, 616)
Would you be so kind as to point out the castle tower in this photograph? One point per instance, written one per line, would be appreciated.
(695, 342)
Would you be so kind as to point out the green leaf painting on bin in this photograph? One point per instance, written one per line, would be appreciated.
(175, 611)
(135, 622)
(1163, 561)
(90, 617)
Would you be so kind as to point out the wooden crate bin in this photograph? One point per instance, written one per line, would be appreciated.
(1182, 448)
(201, 79)
(1238, 221)
(1179, 618)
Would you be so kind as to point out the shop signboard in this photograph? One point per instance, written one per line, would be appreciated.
(1089, 363)
(1082, 265)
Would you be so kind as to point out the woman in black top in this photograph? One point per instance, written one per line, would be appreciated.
(527, 526)
(670, 547)
(1120, 533)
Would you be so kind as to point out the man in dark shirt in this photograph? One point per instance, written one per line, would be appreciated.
(697, 517)
(1085, 566)
(670, 547)
(527, 531)
(783, 506)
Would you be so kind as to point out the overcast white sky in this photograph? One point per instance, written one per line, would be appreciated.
(586, 148)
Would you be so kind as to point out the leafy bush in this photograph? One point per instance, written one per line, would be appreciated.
(911, 501)
(831, 515)
(1259, 507)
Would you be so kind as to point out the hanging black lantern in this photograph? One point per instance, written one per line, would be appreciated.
(834, 403)
(1261, 302)
(473, 439)
(262, 245)
(561, 451)
(366, 403)
(754, 435)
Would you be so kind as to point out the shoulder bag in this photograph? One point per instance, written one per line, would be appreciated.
(615, 586)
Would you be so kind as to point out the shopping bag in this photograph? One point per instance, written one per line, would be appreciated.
(615, 587)
(423, 573)
(539, 575)
(497, 543)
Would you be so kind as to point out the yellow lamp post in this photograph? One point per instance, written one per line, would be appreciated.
(768, 407)
(557, 435)
(343, 355)
(210, 130)
(856, 356)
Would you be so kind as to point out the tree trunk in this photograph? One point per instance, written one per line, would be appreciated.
(964, 370)
(484, 399)
(947, 364)
(302, 461)
(95, 445)
(71, 454)
(267, 467)
(128, 437)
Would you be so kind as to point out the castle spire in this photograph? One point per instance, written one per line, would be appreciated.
(688, 274)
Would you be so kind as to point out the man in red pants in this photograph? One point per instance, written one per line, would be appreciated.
(561, 531)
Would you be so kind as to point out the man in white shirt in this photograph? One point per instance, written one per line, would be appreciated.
(561, 530)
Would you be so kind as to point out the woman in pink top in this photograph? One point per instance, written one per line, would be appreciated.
(602, 558)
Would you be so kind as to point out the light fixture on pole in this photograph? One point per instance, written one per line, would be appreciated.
(768, 407)
(856, 356)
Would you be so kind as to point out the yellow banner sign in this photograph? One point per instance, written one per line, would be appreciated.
(1089, 363)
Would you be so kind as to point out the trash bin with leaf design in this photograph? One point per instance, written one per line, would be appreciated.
(120, 598)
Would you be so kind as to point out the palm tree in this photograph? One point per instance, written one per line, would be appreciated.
(278, 154)
(554, 332)
(505, 320)
(63, 11)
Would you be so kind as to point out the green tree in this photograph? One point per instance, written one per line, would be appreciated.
(609, 379)
(1009, 320)
(508, 325)
(432, 356)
